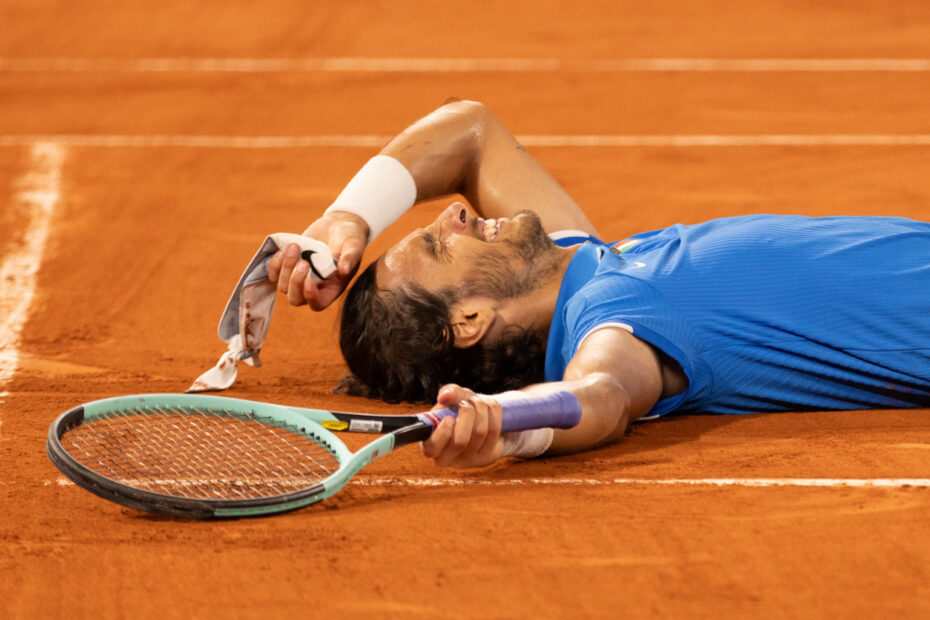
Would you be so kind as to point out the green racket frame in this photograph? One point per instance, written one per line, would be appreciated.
(406, 429)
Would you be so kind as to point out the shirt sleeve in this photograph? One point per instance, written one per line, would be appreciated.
(616, 300)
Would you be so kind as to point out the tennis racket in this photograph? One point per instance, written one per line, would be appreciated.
(206, 457)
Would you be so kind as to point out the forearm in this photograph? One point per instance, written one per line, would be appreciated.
(605, 412)
(433, 157)
(462, 148)
(473, 438)
(615, 377)
(441, 150)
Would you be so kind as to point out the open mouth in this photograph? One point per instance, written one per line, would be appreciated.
(491, 228)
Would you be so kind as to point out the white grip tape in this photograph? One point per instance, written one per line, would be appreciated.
(379, 193)
(523, 444)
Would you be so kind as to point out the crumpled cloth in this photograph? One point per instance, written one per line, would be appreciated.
(247, 316)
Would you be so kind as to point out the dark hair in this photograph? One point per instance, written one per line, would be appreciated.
(399, 346)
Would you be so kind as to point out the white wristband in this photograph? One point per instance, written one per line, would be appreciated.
(379, 193)
(528, 444)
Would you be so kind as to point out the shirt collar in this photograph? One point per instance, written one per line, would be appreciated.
(579, 271)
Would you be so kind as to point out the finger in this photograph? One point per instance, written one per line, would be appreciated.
(452, 394)
(495, 420)
(461, 436)
(274, 266)
(291, 256)
(322, 295)
(478, 436)
(311, 292)
(437, 442)
(490, 449)
(295, 290)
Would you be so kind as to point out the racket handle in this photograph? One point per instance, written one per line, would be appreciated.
(520, 412)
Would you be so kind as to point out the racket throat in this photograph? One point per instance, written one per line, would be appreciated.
(375, 450)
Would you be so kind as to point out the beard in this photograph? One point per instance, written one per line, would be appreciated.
(513, 267)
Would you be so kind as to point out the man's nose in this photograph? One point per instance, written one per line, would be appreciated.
(455, 218)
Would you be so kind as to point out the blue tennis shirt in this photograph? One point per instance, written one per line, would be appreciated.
(764, 312)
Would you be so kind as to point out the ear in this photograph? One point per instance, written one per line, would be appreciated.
(471, 320)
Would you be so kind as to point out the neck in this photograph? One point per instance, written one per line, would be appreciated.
(534, 310)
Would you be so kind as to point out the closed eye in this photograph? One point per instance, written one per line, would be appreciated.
(435, 247)
(429, 241)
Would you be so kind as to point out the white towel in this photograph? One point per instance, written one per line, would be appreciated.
(247, 316)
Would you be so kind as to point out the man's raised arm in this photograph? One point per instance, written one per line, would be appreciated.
(459, 148)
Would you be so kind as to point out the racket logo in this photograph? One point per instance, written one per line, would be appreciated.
(307, 255)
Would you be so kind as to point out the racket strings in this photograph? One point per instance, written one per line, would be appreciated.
(200, 453)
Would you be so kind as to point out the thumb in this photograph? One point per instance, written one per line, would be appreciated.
(349, 255)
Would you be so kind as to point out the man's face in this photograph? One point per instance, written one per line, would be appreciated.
(475, 257)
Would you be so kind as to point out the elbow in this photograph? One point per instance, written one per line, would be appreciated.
(601, 391)
(472, 122)
(473, 116)
(608, 394)
(606, 405)
(466, 107)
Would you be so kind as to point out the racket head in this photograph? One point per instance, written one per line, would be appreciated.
(201, 456)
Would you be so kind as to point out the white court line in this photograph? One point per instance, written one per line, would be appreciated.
(377, 141)
(194, 141)
(894, 483)
(37, 195)
(462, 65)
(731, 140)
(738, 482)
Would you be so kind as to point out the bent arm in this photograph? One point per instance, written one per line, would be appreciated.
(459, 148)
(463, 148)
(616, 377)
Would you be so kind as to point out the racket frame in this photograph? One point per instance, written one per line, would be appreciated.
(401, 430)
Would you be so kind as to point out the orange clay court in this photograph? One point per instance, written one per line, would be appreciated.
(147, 148)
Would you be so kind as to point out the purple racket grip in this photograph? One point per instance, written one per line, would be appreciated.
(520, 413)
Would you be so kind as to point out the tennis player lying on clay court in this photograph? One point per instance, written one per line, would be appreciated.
(739, 315)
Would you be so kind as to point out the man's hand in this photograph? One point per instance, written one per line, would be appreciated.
(346, 234)
(471, 440)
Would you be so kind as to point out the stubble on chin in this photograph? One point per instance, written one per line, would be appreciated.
(516, 266)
